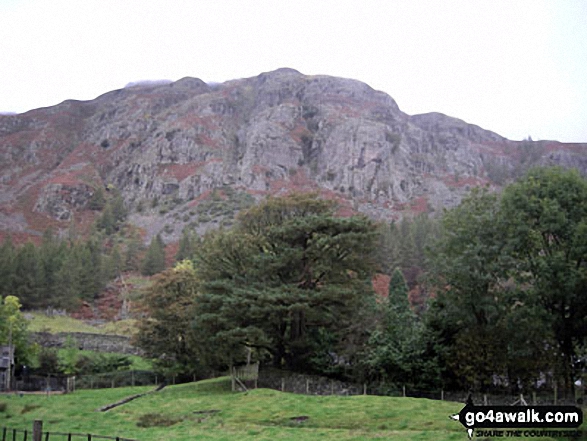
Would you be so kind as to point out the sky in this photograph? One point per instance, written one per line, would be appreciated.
(516, 67)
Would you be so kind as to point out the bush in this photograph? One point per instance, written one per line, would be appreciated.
(48, 361)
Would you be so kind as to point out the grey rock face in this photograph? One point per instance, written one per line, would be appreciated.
(277, 132)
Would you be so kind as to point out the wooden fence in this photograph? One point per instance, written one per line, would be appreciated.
(243, 375)
(37, 434)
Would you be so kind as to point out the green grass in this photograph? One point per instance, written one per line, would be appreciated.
(41, 323)
(209, 411)
(137, 363)
(126, 327)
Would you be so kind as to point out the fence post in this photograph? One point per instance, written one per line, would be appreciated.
(364, 388)
(46, 436)
(404, 390)
(89, 437)
(282, 384)
(555, 394)
(441, 394)
(534, 398)
(485, 399)
(26, 433)
(4, 434)
(307, 386)
(37, 430)
(132, 378)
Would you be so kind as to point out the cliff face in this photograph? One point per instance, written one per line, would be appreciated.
(190, 153)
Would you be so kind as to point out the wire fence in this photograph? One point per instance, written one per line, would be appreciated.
(293, 382)
(315, 385)
(63, 384)
(10, 434)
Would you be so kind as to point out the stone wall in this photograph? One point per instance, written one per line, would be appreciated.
(305, 384)
(87, 341)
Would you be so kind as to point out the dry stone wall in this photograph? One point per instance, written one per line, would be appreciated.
(87, 341)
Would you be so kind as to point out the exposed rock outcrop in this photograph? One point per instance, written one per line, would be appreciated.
(170, 147)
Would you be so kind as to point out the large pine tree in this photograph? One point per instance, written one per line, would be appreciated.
(289, 271)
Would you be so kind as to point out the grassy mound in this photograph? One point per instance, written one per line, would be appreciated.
(208, 410)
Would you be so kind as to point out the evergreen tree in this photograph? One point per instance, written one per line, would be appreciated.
(131, 260)
(69, 280)
(187, 245)
(28, 277)
(397, 347)
(398, 292)
(107, 221)
(7, 267)
(119, 211)
(289, 274)
(51, 255)
(154, 261)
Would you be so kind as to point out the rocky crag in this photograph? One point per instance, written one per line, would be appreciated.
(193, 154)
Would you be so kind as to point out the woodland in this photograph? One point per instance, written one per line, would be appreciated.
(488, 295)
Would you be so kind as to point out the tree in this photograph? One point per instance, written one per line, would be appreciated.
(51, 257)
(107, 221)
(396, 349)
(13, 329)
(119, 211)
(28, 276)
(547, 232)
(398, 293)
(7, 267)
(167, 334)
(510, 275)
(187, 245)
(68, 358)
(154, 261)
(131, 256)
(289, 270)
(469, 265)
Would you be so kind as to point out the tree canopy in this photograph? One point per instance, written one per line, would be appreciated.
(288, 271)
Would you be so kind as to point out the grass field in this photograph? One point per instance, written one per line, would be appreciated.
(39, 322)
(207, 410)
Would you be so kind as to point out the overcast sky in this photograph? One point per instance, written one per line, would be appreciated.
(516, 67)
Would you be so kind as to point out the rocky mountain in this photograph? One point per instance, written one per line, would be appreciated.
(191, 153)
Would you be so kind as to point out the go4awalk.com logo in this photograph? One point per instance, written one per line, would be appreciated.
(520, 421)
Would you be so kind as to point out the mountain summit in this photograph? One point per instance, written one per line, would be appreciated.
(191, 153)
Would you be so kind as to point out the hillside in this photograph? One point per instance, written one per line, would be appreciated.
(191, 153)
(208, 410)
